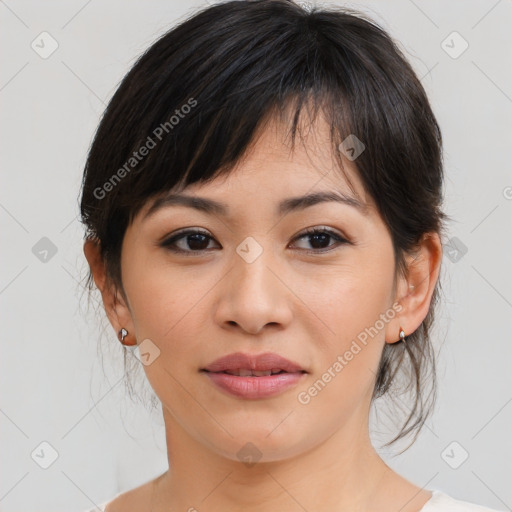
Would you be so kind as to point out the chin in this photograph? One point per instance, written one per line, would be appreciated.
(259, 443)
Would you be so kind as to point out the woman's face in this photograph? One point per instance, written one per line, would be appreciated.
(256, 283)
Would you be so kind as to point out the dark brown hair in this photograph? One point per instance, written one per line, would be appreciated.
(196, 98)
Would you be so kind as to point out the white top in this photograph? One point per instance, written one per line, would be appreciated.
(442, 502)
(439, 502)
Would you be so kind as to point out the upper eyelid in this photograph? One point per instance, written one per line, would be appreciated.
(203, 231)
(309, 231)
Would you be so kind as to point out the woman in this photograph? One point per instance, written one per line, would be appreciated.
(271, 289)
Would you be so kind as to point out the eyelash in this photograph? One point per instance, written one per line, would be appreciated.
(169, 243)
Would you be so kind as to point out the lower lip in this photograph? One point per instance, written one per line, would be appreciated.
(255, 387)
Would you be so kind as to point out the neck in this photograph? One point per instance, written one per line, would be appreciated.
(342, 473)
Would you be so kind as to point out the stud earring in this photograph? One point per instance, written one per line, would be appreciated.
(402, 334)
(122, 335)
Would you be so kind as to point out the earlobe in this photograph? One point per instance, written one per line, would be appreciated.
(122, 334)
(422, 276)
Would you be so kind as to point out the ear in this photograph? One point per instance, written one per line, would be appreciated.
(116, 307)
(414, 291)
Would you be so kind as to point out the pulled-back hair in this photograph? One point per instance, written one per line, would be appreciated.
(197, 97)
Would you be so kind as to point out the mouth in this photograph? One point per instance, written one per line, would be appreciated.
(254, 385)
(255, 365)
(254, 376)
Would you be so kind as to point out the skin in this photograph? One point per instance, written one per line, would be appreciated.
(306, 307)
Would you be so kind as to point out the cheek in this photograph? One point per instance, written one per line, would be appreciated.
(349, 356)
(351, 296)
(350, 304)
(168, 305)
(168, 302)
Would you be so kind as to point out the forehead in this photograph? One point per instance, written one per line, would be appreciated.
(272, 168)
(311, 156)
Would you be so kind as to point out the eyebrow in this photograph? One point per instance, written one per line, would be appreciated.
(291, 204)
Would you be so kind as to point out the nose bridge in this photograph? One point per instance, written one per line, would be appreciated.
(253, 296)
(251, 271)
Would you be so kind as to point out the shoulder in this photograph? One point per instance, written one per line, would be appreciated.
(135, 499)
(442, 502)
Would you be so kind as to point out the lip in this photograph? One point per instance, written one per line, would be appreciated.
(254, 387)
(257, 362)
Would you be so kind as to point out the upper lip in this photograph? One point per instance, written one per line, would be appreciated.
(257, 362)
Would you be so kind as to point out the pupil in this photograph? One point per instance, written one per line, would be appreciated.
(316, 236)
(197, 241)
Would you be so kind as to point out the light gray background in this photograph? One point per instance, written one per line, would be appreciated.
(51, 376)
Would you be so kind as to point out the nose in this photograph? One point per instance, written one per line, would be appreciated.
(254, 296)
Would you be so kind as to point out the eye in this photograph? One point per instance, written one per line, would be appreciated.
(194, 239)
(318, 237)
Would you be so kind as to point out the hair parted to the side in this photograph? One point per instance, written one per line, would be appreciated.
(205, 88)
